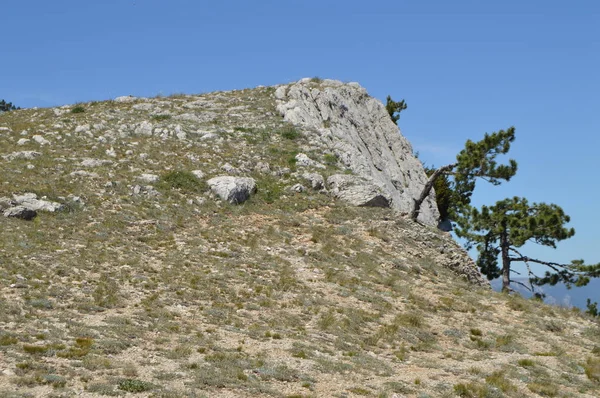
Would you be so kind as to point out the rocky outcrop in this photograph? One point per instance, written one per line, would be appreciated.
(356, 191)
(235, 190)
(344, 119)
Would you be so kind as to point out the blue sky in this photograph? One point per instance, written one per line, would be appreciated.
(463, 67)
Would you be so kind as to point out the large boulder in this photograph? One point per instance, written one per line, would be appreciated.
(356, 191)
(235, 190)
(344, 120)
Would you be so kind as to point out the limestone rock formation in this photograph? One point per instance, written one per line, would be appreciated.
(345, 120)
(356, 191)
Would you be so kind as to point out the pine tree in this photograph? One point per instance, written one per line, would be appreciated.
(476, 160)
(500, 230)
(7, 106)
(394, 108)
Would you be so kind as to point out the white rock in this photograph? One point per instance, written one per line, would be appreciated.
(198, 173)
(363, 137)
(23, 141)
(144, 128)
(83, 173)
(235, 190)
(89, 162)
(280, 92)
(111, 152)
(40, 140)
(28, 155)
(149, 178)
(125, 99)
(304, 161)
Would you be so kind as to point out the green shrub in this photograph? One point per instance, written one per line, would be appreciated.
(134, 385)
(78, 109)
(160, 118)
(289, 133)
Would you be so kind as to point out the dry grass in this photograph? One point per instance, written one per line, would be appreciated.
(290, 294)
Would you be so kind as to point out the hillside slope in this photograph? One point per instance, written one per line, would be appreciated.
(137, 279)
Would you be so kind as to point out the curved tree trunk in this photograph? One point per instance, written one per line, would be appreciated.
(427, 189)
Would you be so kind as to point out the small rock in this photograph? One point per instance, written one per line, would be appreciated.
(40, 140)
(198, 173)
(317, 182)
(89, 162)
(303, 160)
(262, 167)
(298, 188)
(28, 155)
(111, 152)
(149, 178)
(23, 141)
(83, 173)
(125, 99)
(229, 169)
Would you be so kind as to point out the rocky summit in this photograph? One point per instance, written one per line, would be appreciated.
(251, 243)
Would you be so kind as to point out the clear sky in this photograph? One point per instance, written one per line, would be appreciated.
(463, 67)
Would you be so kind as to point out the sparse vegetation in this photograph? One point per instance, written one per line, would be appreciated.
(171, 293)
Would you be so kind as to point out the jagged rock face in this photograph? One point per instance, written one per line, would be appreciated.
(358, 130)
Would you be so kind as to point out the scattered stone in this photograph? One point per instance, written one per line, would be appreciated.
(147, 190)
(298, 188)
(149, 178)
(23, 141)
(198, 173)
(111, 152)
(28, 155)
(144, 128)
(83, 173)
(262, 167)
(125, 99)
(229, 169)
(21, 212)
(82, 129)
(317, 182)
(209, 136)
(40, 140)
(89, 162)
(303, 160)
(235, 190)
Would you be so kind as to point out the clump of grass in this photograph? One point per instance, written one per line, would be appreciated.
(160, 118)
(78, 109)
(183, 181)
(498, 379)
(545, 390)
(316, 79)
(476, 332)
(526, 363)
(289, 133)
(135, 385)
(35, 349)
(592, 369)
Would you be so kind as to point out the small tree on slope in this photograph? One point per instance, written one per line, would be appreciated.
(501, 229)
(476, 160)
(7, 106)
